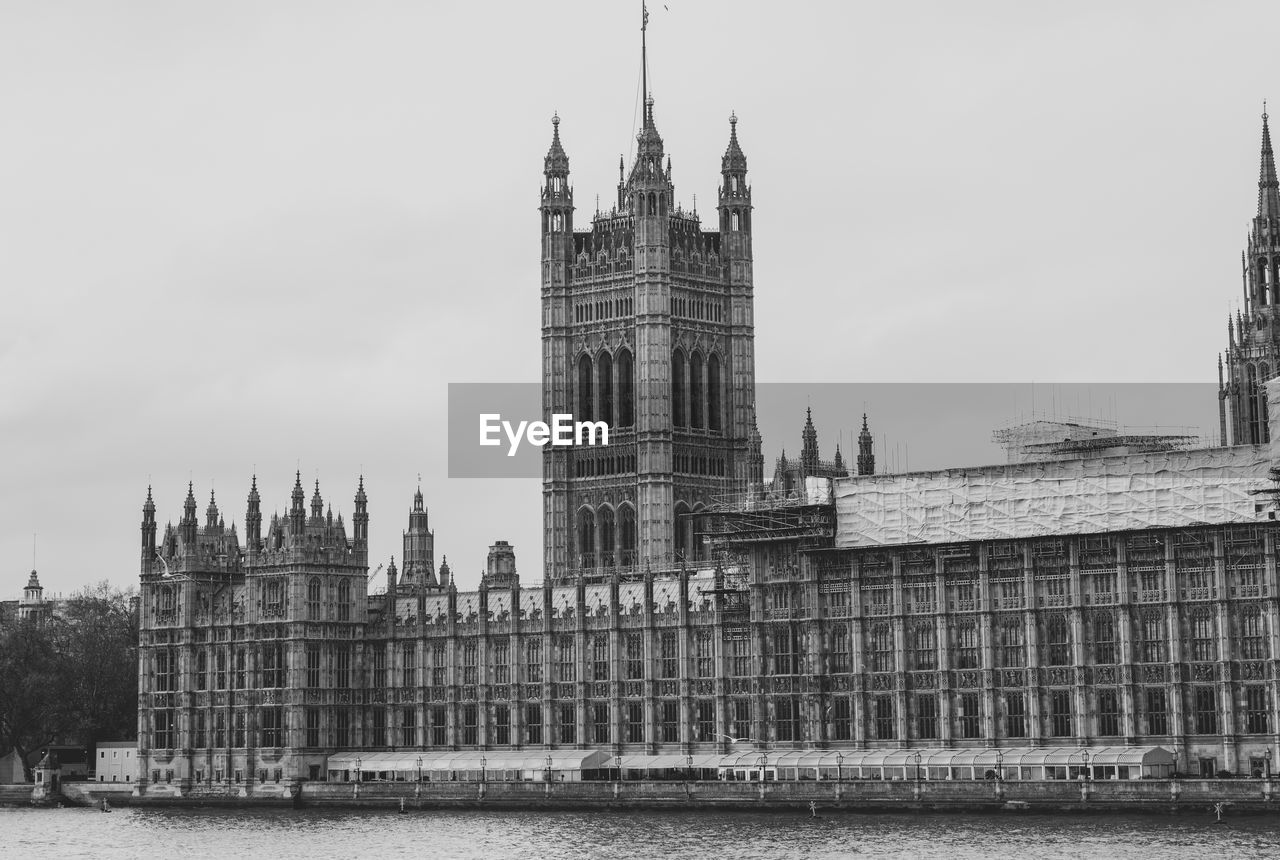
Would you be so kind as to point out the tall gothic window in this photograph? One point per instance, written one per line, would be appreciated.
(966, 646)
(714, 407)
(1104, 638)
(584, 389)
(627, 532)
(677, 389)
(695, 390)
(586, 538)
(313, 599)
(924, 646)
(1151, 629)
(344, 601)
(604, 388)
(1058, 639)
(1202, 644)
(881, 648)
(1013, 649)
(606, 537)
(626, 390)
(1253, 640)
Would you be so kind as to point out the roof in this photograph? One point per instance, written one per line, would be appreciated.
(1166, 489)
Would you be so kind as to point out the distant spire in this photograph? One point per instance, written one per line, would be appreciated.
(866, 453)
(809, 451)
(1268, 186)
(317, 504)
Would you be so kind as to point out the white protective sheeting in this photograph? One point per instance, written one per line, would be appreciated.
(1084, 496)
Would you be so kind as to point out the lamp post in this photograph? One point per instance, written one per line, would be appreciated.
(999, 766)
(1084, 754)
(483, 764)
(358, 762)
(764, 764)
(548, 770)
(1268, 757)
(916, 758)
(689, 765)
(839, 767)
(419, 768)
(617, 760)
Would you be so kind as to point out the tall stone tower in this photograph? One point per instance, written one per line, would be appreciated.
(647, 324)
(1253, 337)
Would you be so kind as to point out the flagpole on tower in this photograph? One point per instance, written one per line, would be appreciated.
(644, 60)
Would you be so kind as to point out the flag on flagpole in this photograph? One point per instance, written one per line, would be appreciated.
(644, 8)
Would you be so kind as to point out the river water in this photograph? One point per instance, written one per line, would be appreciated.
(226, 834)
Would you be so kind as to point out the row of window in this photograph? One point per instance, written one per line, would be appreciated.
(785, 653)
(1060, 719)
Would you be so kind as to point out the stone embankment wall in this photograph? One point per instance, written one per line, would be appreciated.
(1156, 796)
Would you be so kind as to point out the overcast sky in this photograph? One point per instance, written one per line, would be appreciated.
(267, 235)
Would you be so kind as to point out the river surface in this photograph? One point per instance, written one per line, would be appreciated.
(227, 834)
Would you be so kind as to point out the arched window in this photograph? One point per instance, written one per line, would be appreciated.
(1058, 639)
(586, 538)
(344, 601)
(1262, 282)
(1104, 638)
(699, 533)
(627, 534)
(677, 388)
(313, 599)
(605, 516)
(682, 531)
(695, 390)
(626, 390)
(735, 221)
(584, 389)
(713, 393)
(604, 388)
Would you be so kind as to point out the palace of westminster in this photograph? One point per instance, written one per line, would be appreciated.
(1097, 589)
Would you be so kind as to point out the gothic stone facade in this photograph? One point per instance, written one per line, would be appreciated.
(257, 664)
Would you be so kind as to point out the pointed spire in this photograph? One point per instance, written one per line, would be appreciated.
(317, 503)
(1268, 186)
(809, 450)
(556, 162)
(149, 506)
(734, 159)
(211, 513)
